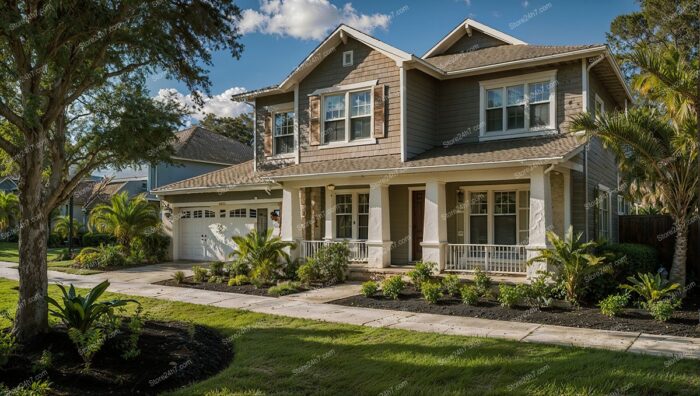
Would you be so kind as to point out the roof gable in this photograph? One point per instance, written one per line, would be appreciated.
(199, 144)
(485, 37)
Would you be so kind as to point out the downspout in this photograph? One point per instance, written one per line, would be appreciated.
(255, 135)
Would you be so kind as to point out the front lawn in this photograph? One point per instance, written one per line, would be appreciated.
(9, 251)
(284, 356)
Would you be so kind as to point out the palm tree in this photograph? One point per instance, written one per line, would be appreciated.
(653, 150)
(62, 225)
(9, 209)
(124, 218)
(261, 252)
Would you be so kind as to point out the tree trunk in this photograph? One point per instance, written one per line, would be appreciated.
(32, 316)
(680, 254)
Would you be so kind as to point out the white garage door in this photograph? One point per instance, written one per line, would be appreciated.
(205, 232)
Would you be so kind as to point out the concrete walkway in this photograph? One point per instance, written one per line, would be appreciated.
(309, 305)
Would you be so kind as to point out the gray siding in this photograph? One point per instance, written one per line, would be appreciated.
(227, 196)
(474, 42)
(421, 117)
(163, 174)
(262, 107)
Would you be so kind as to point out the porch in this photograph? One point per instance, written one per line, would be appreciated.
(492, 220)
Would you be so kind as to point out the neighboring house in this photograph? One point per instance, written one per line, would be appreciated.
(461, 156)
(9, 184)
(198, 151)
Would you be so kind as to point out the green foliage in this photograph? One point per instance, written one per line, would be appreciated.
(179, 277)
(662, 310)
(215, 279)
(9, 210)
(284, 288)
(150, 248)
(291, 267)
(199, 274)
(393, 286)
(238, 280)
(8, 345)
(572, 261)
(216, 268)
(102, 257)
(97, 239)
(131, 345)
(613, 305)
(369, 288)
(539, 293)
(482, 282)
(36, 388)
(451, 284)
(650, 287)
(238, 267)
(263, 254)
(432, 291)
(328, 266)
(625, 260)
(125, 218)
(89, 342)
(61, 225)
(239, 128)
(422, 272)
(470, 295)
(81, 313)
(509, 296)
(44, 362)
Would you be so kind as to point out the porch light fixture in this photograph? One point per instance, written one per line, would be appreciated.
(168, 211)
(331, 187)
(460, 196)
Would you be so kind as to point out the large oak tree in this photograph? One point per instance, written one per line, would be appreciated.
(72, 99)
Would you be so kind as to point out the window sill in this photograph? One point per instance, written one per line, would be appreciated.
(362, 142)
(488, 136)
(281, 156)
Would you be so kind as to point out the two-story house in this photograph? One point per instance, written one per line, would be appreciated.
(462, 156)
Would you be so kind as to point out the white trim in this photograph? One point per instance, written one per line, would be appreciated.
(282, 109)
(465, 28)
(229, 187)
(348, 117)
(598, 100)
(403, 116)
(410, 220)
(356, 142)
(276, 108)
(297, 139)
(490, 190)
(354, 212)
(605, 189)
(351, 61)
(255, 135)
(584, 85)
(525, 80)
(213, 204)
(343, 88)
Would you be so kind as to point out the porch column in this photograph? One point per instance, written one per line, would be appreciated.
(292, 227)
(171, 227)
(540, 217)
(329, 215)
(378, 235)
(435, 224)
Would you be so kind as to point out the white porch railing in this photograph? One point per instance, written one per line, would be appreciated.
(507, 259)
(358, 249)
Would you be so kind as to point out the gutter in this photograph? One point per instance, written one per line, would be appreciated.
(218, 188)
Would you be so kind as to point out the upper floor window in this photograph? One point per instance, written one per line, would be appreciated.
(599, 106)
(283, 132)
(347, 116)
(518, 105)
(347, 58)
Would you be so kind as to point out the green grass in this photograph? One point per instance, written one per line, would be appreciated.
(10, 252)
(284, 356)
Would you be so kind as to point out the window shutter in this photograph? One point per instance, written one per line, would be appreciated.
(314, 120)
(267, 134)
(379, 113)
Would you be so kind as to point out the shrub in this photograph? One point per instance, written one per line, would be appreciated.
(422, 272)
(451, 284)
(369, 288)
(328, 266)
(470, 295)
(7, 346)
(44, 362)
(613, 305)
(284, 288)
(393, 286)
(650, 287)
(179, 277)
(199, 274)
(88, 260)
(101, 257)
(238, 267)
(482, 282)
(54, 240)
(539, 293)
(291, 267)
(131, 348)
(88, 342)
(151, 247)
(263, 254)
(662, 310)
(238, 280)
(216, 279)
(36, 388)
(432, 291)
(216, 268)
(509, 296)
(96, 239)
(624, 260)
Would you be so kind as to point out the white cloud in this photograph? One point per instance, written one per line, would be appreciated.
(220, 105)
(307, 19)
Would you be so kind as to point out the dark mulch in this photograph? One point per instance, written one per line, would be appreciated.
(172, 355)
(222, 287)
(685, 322)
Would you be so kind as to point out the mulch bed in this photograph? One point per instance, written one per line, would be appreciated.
(685, 322)
(221, 287)
(172, 355)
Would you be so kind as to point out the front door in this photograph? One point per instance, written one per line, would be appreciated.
(417, 212)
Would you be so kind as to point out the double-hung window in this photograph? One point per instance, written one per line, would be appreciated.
(603, 201)
(347, 116)
(283, 132)
(498, 217)
(518, 105)
(343, 216)
(352, 215)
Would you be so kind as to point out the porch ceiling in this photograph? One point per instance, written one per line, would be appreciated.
(512, 152)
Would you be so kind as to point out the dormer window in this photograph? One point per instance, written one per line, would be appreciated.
(523, 105)
(347, 58)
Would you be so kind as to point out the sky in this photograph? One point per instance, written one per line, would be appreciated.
(279, 34)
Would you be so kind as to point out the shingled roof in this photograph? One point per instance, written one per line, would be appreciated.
(200, 144)
(501, 54)
(229, 177)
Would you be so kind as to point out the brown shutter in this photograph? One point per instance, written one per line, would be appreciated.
(379, 105)
(314, 120)
(267, 134)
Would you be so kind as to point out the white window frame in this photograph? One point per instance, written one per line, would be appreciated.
(525, 80)
(598, 102)
(347, 62)
(491, 191)
(346, 90)
(355, 213)
(602, 189)
(274, 137)
(277, 109)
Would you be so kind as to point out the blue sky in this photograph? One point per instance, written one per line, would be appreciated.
(281, 33)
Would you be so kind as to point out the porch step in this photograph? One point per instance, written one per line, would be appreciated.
(359, 272)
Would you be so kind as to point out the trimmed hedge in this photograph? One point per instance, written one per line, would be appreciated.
(625, 259)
